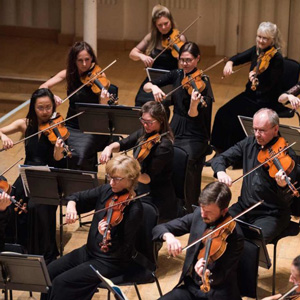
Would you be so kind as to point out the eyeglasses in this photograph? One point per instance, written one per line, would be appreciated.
(115, 179)
(186, 60)
(261, 131)
(147, 122)
(42, 108)
(263, 38)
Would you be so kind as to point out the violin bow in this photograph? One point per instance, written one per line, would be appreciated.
(173, 42)
(113, 205)
(138, 145)
(91, 79)
(239, 69)
(225, 224)
(258, 166)
(192, 78)
(289, 292)
(51, 126)
(10, 167)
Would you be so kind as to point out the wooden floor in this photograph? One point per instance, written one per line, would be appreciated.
(42, 59)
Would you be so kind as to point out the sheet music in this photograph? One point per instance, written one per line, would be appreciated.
(22, 169)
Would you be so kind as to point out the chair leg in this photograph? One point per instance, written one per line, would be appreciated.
(137, 291)
(157, 284)
(108, 294)
(274, 269)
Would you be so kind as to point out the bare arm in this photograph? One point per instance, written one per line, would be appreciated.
(16, 126)
(59, 77)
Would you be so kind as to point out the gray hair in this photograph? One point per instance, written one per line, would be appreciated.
(271, 31)
(272, 115)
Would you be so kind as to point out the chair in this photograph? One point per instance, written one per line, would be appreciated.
(248, 270)
(289, 78)
(180, 161)
(143, 266)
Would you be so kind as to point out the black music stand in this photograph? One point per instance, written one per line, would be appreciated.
(116, 291)
(108, 119)
(254, 234)
(154, 74)
(23, 272)
(52, 187)
(290, 133)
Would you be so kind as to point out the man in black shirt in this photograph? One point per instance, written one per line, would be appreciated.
(71, 275)
(213, 210)
(273, 215)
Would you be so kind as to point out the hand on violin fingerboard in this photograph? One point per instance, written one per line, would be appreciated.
(4, 201)
(199, 267)
(173, 245)
(223, 177)
(280, 178)
(252, 75)
(71, 212)
(102, 225)
(104, 96)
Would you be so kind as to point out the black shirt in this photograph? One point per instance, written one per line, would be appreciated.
(258, 185)
(122, 235)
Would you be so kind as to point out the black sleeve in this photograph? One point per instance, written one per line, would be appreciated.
(177, 227)
(86, 200)
(130, 141)
(227, 158)
(168, 78)
(243, 57)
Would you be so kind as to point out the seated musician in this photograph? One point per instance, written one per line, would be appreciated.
(213, 201)
(291, 96)
(156, 159)
(71, 275)
(273, 215)
(4, 216)
(294, 279)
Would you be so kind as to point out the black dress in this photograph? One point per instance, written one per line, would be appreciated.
(37, 229)
(158, 165)
(71, 275)
(191, 133)
(227, 129)
(165, 62)
(85, 146)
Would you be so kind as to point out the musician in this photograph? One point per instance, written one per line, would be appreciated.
(190, 122)
(81, 60)
(5, 212)
(273, 215)
(71, 275)
(157, 166)
(37, 229)
(249, 101)
(291, 96)
(213, 210)
(294, 279)
(162, 26)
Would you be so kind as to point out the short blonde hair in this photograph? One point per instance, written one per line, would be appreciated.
(128, 167)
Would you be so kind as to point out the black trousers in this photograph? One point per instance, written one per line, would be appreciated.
(180, 293)
(73, 278)
(271, 226)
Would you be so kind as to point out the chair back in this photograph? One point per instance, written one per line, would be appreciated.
(248, 270)
(179, 171)
(144, 244)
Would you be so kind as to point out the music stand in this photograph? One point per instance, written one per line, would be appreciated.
(290, 133)
(23, 272)
(52, 187)
(254, 234)
(154, 74)
(108, 119)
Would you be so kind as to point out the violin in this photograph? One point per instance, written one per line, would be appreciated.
(98, 83)
(263, 62)
(59, 131)
(287, 295)
(146, 147)
(173, 42)
(194, 82)
(214, 247)
(115, 206)
(282, 162)
(5, 186)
